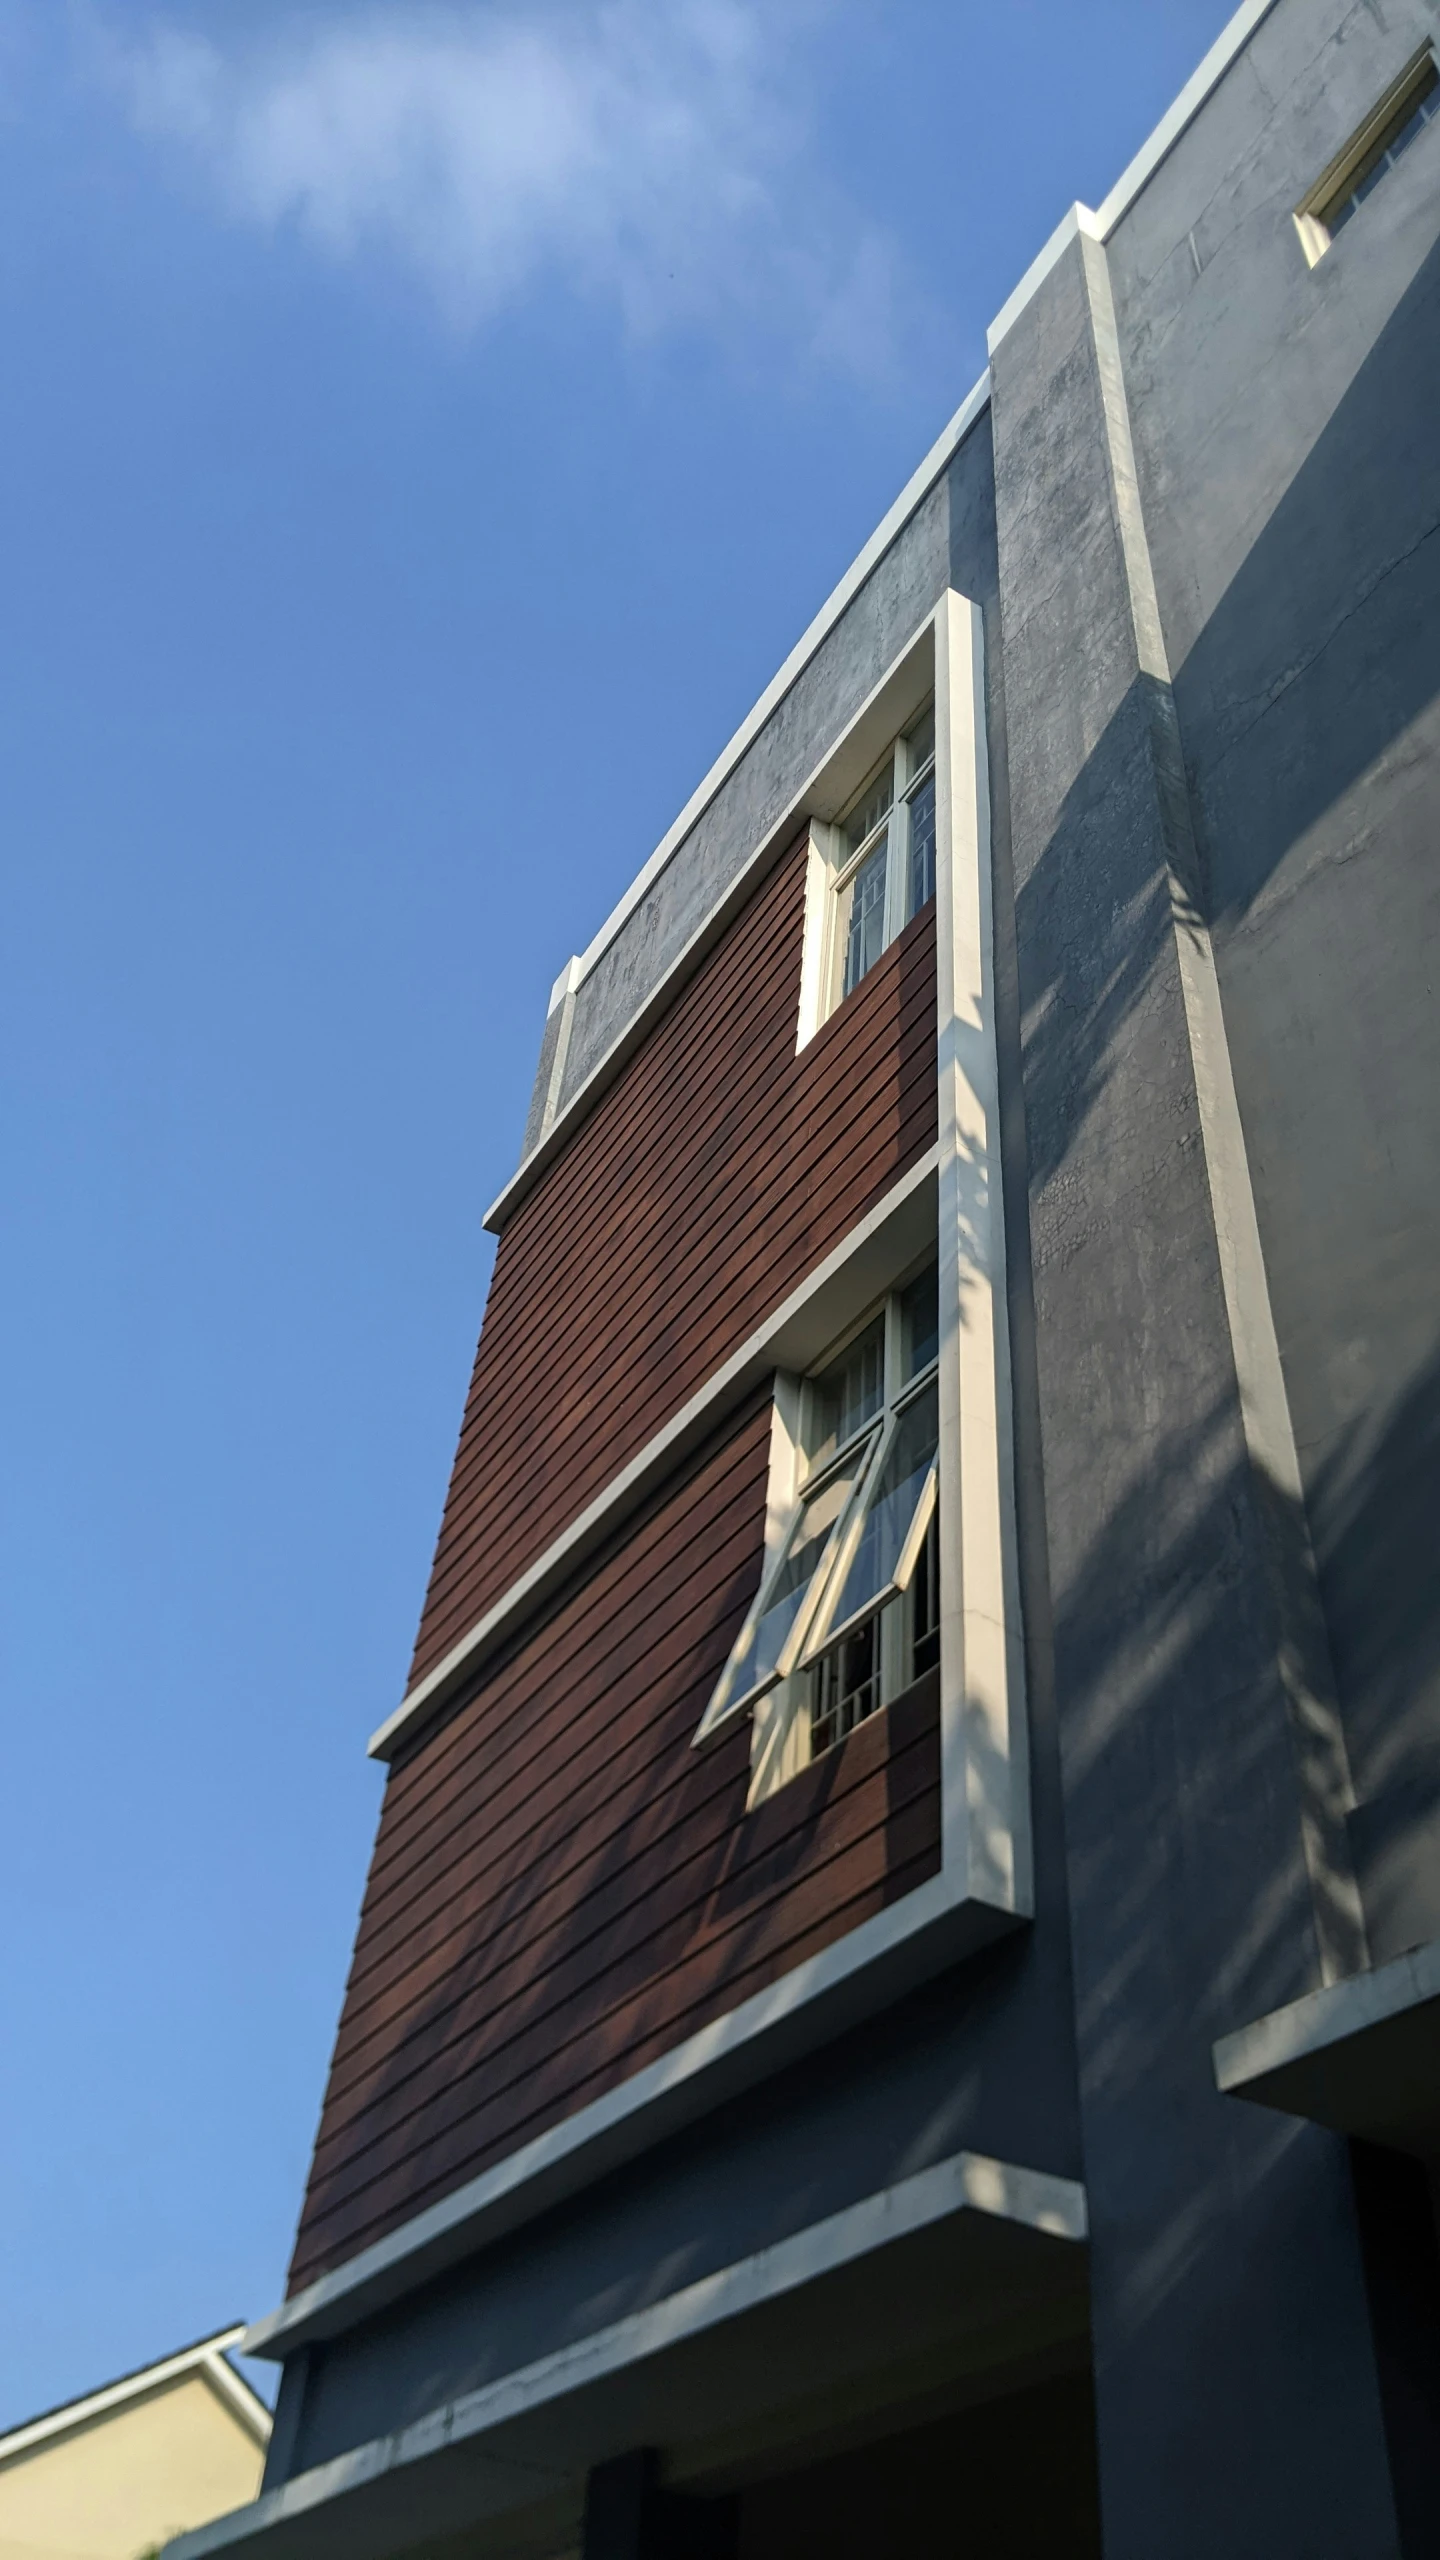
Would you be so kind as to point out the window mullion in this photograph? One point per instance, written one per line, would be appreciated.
(897, 864)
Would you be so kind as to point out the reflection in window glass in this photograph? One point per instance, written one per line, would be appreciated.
(920, 887)
(849, 1393)
(872, 809)
(920, 744)
(925, 1604)
(890, 1510)
(920, 1323)
(757, 1660)
(847, 1617)
(865, 932)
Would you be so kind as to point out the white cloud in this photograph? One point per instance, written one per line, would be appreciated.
(648, 152)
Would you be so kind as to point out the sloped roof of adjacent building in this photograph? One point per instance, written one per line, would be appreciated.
(207, 2357)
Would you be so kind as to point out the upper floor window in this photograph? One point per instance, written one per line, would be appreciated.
(1400, 117)
(847, 1613)
(884, 859)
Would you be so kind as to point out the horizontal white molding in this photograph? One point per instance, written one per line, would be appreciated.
(206, 2357)
(872, 1964)
(967, 2182)
(803, 802)
(1329, 2016)
(678, 1436)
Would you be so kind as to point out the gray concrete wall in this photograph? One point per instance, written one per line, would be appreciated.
(1237, 2402)
(1289, 453)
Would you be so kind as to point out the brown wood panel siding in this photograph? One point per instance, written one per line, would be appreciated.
(717, 1170)
(562, 1888)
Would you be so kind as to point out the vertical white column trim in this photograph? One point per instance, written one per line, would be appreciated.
(1303, 1656)
(984, 1745)
(815, 951)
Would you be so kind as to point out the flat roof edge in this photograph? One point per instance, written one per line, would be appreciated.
(891, 524)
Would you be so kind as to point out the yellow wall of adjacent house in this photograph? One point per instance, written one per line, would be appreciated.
(130, 2478)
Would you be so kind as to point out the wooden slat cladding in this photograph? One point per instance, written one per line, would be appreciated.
(719, 1168)
(562, 1888)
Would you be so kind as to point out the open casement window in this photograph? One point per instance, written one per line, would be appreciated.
(847, 1615)
(882, 859)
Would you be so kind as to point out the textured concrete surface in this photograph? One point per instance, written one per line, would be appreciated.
(1262, 2304)
(1290, 465)
(1236, 2391)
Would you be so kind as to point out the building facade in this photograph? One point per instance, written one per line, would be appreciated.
(113, 2475)
(897, 2005)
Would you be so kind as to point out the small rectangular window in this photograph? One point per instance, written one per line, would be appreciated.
(1408, 106)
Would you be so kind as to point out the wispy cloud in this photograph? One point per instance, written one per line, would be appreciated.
(650, 153)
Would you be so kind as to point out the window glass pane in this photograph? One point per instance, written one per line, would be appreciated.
(920, 744)
(864, 819)
(925, 1604)
(920, 887)
(865, 928)
(757, 1658)
(1419, 110)
(890, 1510)
(849, 1393)
(920, 1323)
(845, 1687)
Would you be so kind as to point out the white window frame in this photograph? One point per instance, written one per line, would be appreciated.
(832, 869)
(780, 1703)
(1315, 215)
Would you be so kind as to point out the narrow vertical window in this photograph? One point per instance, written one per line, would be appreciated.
(884, 867)
(920, 808)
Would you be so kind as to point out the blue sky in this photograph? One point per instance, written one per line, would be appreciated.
(422, 432)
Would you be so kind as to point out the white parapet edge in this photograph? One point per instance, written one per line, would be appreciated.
(892, 523)
(1133, 180)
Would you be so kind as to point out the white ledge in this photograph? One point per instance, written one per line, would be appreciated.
(1321, 2021)
(953, 2243)
(872, 1965)
(771, 1346)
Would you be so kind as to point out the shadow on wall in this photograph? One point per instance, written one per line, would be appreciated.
(1310, 714)
(1310, 706)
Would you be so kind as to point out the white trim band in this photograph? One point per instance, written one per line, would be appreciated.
(892, 523)
(765, 1349)
(1036, 2201)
